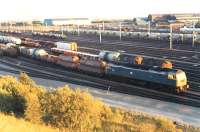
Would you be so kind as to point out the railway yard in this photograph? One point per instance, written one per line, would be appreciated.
(184, 56)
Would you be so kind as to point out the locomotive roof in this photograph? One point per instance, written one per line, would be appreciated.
(147, 68)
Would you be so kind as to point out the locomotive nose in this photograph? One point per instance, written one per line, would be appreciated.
(181, 81)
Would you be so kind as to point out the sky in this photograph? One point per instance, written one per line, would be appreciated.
(40, 9)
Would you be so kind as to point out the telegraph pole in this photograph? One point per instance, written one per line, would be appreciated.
(32, 27)
(193, 35)
(46, 25)
(99, 33)
(62, 30)
(149, 27)
(24, 26)
(171, 37)
(11, 26)
(78, 30)
(182, 38)
(103, 26)
(120, 31)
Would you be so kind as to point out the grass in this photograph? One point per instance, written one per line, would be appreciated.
(12, 124)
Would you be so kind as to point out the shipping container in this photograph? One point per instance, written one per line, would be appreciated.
(67, 46)
(75, 53)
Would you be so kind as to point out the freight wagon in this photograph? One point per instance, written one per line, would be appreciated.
(7, 39)
(84, 62)
(171, 79)
(9, 49)
(67, 46)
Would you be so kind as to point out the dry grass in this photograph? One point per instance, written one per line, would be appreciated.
(12, 124)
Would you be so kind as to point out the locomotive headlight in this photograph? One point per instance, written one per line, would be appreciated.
(171, 76)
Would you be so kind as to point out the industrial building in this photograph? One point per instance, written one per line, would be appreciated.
(67, 21)
(181, 17)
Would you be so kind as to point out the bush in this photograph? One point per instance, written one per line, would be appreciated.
(166, 125)
(26, 80)
(20, 97)
(10, 99)
(72, 110)
(65, 108)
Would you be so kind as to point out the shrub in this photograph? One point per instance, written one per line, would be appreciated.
(10, 99)
(65, 108)
(26, 80)
(20, 97)
(72, 110)
(166, 125)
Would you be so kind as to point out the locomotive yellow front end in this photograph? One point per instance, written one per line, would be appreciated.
(181, 81)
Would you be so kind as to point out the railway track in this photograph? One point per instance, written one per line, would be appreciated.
(193, 73)
(136, 47)
(180, 58)
(134, 42)
(57, 73)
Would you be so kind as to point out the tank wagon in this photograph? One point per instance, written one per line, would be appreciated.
(51, 35)
(7, 39)
(9, 49)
